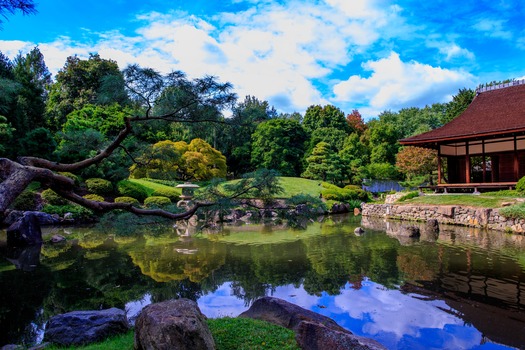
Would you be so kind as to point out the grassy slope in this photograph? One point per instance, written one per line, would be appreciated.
(152, 186)
(296, 185)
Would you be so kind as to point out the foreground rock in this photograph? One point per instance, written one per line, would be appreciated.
(84, 327)
(312, 330)
(173, 324)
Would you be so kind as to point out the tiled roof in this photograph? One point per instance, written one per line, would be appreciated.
(494, 111)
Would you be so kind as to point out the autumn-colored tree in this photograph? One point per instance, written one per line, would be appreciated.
(355, 122)
(417, 161)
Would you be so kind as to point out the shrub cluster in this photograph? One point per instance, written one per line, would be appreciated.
(78, 212)
(335, 193)
(99, 186)
(126, 200)
(50, 197)
(127, 188)
(94, 197)
(157, 201)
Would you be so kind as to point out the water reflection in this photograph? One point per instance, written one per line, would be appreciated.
(426, 293)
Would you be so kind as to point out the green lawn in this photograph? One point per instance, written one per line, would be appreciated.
(482, 200)
(296, 185)
(151, 187)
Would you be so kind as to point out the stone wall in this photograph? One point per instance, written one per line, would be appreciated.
(452, 215)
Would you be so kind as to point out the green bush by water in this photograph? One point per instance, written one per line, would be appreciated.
(127, 188)
(99, 186)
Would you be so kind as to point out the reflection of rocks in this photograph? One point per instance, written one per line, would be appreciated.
(83, 327)
(312, 330)
(173, 324)
(26, 258)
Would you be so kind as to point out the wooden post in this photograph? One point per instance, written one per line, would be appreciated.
(439, 164)
(484, 161)
(516, 161)
(467, 163)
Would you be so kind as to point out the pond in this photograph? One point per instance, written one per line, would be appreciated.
(460, 291)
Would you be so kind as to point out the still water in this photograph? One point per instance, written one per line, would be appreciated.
(461, 290)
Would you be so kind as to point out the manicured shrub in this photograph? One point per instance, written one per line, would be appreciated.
(126, 200)
(50, 197)
(172, 193)
(353, 187)
(27, 200)
(99, 186)
(344, 195)
(94, 197)
(520, 186)
(157, 201)
(130, 189)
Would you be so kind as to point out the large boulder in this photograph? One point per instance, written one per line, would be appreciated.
(84, 327)
(173, 324)
(25, 231)
(312, 330)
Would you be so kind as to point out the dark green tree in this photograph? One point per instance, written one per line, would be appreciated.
(325, 164)
(459, 103)
(33, 78)
(279, 144)
(324, 117)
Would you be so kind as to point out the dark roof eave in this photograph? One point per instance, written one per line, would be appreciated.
(409, 142)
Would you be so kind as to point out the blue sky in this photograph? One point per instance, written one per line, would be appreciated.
(370, 55)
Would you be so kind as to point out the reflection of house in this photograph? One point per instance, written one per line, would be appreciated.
(485, 145)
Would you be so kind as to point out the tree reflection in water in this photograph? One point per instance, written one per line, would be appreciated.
(363, 282)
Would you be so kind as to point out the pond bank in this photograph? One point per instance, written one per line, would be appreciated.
(447, 214)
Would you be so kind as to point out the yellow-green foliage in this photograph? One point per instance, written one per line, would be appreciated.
(94, 197)
(130, 200)
(335, 193)
(99, 186)
(156, 201)
(50, 197)
(169, 192)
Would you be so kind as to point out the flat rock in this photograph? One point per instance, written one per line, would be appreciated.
(84, 327)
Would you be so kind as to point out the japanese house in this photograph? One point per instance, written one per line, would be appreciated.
(484, 146)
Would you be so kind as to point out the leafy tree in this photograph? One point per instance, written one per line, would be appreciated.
(38, 143)
(334, 137)
(6, 136)
(81, 82)
(355, 155)
(279, 144)
(417, 161)
(33, 77)
(324, 164)
(247, 115)
(27, 7)
(317, 117)
(459, 103)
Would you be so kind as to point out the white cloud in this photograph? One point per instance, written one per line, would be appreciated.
(394, 84)
(493, 28)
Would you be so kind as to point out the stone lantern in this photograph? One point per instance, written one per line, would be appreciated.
(188, 190)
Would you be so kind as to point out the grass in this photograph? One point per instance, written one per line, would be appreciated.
(228, 333)
(151, 187)
(486, 200)
(296, 185)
